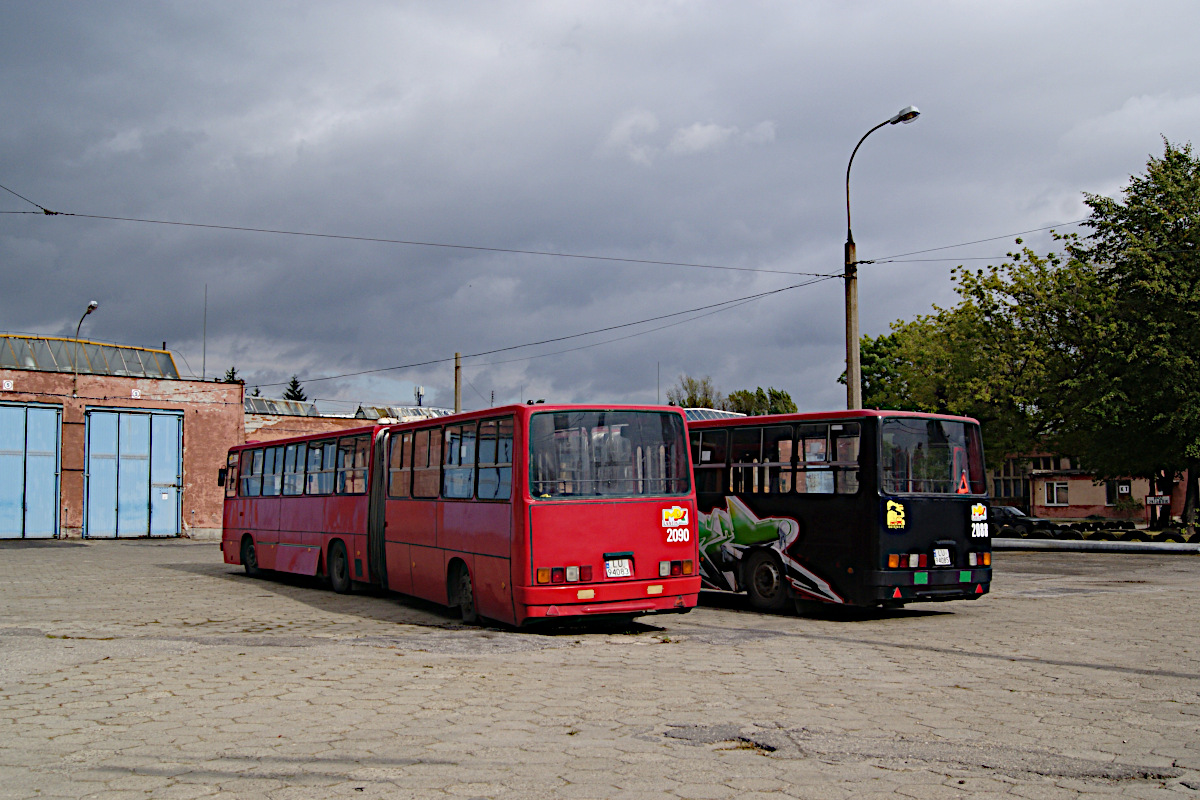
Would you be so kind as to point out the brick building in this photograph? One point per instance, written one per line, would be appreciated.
(1055, 487)
(122, 446)
(119, 446)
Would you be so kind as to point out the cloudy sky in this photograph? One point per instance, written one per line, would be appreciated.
(713, 134)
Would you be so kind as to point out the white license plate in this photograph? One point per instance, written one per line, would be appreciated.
(619, 568)
(941, 557)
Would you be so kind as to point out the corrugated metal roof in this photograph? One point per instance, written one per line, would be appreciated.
(697, 414)
(54, 354)
(402, 413)
(283, 408)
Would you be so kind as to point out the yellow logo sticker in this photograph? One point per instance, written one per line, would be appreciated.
(979, 513)
(895, 514)
(674, 517)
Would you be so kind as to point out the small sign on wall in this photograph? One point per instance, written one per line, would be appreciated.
(8, 386)
(136, 394)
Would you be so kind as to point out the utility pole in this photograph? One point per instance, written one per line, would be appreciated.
(457, 382)
(853, 367)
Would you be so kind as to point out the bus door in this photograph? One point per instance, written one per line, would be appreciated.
(377, 511)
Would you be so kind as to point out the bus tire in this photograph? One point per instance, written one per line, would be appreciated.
(249, 557)
(766, 582)
(465, 596)
(339, 569)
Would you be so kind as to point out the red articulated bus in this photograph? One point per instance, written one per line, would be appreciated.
(517, 514)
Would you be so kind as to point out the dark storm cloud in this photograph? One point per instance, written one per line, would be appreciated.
(695, 132)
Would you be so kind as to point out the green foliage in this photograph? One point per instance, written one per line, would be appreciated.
(758, 402)
(695, 393)
(294, 391)
(1144, 388)
(1095, 351)
(1128, 507)
(231, 376)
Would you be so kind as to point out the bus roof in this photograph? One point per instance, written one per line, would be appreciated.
(821, 416)
(523, 410)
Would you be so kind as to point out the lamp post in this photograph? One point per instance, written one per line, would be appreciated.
(92, 306)
(853, 371)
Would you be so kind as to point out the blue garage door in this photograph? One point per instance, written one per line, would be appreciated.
(29, 437)
(134, 474)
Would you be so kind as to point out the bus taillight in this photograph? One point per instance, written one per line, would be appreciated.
(979, 559)
(669, 569)
(578, 574)
(911, 560)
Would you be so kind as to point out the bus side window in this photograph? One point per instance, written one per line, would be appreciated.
(777, 454)
(400, 465)
(745, 455)
(495, 459)
(845, 452)
(231, 477)
(427, 456)
(812, 444)
(710, 451)
(252, 466)
(458, 475)
(353, 452)
(319, 476)
(293, 469)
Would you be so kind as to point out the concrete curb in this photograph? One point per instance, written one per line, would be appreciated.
(1095, 546)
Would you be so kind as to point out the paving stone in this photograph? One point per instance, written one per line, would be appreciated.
(181, 678)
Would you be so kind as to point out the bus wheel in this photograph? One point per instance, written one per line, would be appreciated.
(339, 568)
(466, 596)
(765, 581)
(250, 558)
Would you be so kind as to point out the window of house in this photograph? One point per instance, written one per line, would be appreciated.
(1115, 491)
(1056, 493)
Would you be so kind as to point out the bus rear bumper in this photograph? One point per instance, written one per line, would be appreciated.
(637, 597)
(911, 586)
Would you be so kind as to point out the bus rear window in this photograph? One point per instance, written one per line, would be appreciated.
(931, 456)
(607, 453)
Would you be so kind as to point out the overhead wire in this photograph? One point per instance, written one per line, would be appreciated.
(719, 306)
(411, 242)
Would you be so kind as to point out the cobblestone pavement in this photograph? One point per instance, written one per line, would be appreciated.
(151, 669)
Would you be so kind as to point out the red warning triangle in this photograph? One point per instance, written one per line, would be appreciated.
(979, 588)
(963, 486)
(897, 592)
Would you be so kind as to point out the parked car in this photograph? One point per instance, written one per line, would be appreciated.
(1012, 521)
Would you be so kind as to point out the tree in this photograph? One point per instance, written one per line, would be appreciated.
(294, 391)
(231, 376)
(695, 393)
(758, 402)
(1144, 391)
(1000, 355)
(1095, 351)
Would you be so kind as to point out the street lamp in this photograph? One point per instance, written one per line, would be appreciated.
(853, 371)
(92, 306)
